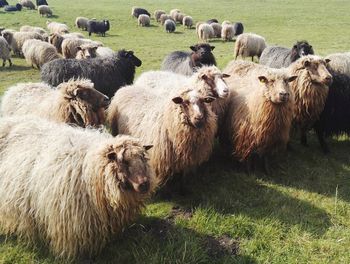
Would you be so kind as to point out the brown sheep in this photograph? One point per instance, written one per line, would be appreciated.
(86, 51)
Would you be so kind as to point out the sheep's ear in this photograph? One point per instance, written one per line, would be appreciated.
(225, 75)
(327, 60)
(178, 100)
(94, 48)
(263, 79)
(292, 78)
(212, 47)
(147, 147)
(310, 46)
(193, 48)
(307, 63)
(79, 48)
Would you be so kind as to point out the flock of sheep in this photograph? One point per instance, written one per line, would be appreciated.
(60, 167)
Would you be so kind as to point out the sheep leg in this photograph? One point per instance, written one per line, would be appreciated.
(250, 165)
(266, 166)
(303, 137)
(3, 63)
(321, 139)
(10, 62)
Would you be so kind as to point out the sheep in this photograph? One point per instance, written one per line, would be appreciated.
(157, 14)
(55, 27)
(81, 22)
(227, 32)
(86, 51)
(165, 17)
(213, 20)
(137, 11)
(17, 39)
(226, 22)
(104, 52)
(9, 8)
(197, 26)
(259, 112)
(249, 45)
(280, 57)
(238, 28)
(180, 125)
(186, 62)
(170, 26)
(205, 32)
(143, 20)
(3, 3)
(107, 74)
(73, 102)
(217, 29)
(5, 52)
(187, 21)
(72, 188)
(41, 2)
(98, 27)
(37, 52)
(38, 30)
(44, 10)
(70, 46)
(310, 90)
(27, 3)
(173, 13)
(179, 17)
(340, 62)
(57, 39)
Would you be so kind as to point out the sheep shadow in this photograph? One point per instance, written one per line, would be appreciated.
(14, 68)
(177, 32)
(54, 16)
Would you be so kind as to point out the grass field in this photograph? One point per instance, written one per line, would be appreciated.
(298, 214)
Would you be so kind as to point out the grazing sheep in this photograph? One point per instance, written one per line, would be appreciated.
(226, 22)
(107, 74)
(70, 46)
(186, 62)
(44, 10)
(205, 32)
(17, 39)
(73, 102)
(280, 57)
(179, 17)
(197, 26)
(81, 22)
(3, 3)
(310, 90)
(5, 52)
(213, 20)
(158, 13)
(41, 2)
(238, 28)
(143, 20)
(249, 45)
(9, 8)
(37, 52)
(170, 26)
(227, 32)
(98, 27)
(165, 17)
(73, 188)
(137, 11)
(259, 112)
(340, 62)
(28, 4)
(187, 21)
(217, 29)
(86, 51)
(173, 13)
(55, 27)
(104, 52)
(180, 125)
(39, 30)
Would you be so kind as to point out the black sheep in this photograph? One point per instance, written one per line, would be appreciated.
(94, 26)
(9, 8)
(107, 74)
(41, 2)
(137, 11)
(238, 28)
(213, 20)
(335, 118)
(186, 62)
(3, 3)
(280, 57)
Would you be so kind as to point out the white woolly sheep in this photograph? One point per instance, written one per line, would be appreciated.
(73, 188)
(37, 52)
(70, 46)
(28, 4)
(73, 102)
(165, 17)
(55, 27)
(173, 13)
(249, 45)
(27, 28)
(81, 22)
(187, 21)
(340, 62)
(86, 51)
(5, 52)
(226, 22)
(44, 10)
(217, 29)
(57, 39)
(157, 14)
(105, 52)
(17, 39)
(227, 32)
(205, 32)
(143, 20)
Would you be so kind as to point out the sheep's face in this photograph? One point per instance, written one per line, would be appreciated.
(8, 36)
(203, 53)
(316, 68)
(87, 51)
(215, 80)
(130, 56)
(302, 48)
(130, 162)
(193, 107)
(276, 88)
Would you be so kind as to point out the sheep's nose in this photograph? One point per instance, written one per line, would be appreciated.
(328, 79)
(144, 187)
(284, 96)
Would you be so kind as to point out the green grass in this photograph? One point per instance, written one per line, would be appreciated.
(298, 214)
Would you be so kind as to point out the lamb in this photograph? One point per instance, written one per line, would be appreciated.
(217, 28)
(41, 2)
(157, 14)
(86, 51)
(5, 52)
(104, 52)
(205, 32)
(98, 27)
(187, 21)
(44, 10)
(238, 28)
(37, 52)
(165, 17)
(280, 57)
(227, 32)
(70, 46)
(173, 13)
(9, 8)
(107, 74)
(259, 113)
(181, 126)
(17, 39)
(340, 62)
(143, 20)
(169, 26)
(73, 188)
(81, 22)
(137, 11)
(27, 3)
(55, 27)
(186, 62)
(310, 90)
(38, 30)
(249, 45)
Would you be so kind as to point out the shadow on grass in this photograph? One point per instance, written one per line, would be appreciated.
(14, 68)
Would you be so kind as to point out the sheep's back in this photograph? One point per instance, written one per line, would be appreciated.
(178, 62)
(276, 57)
